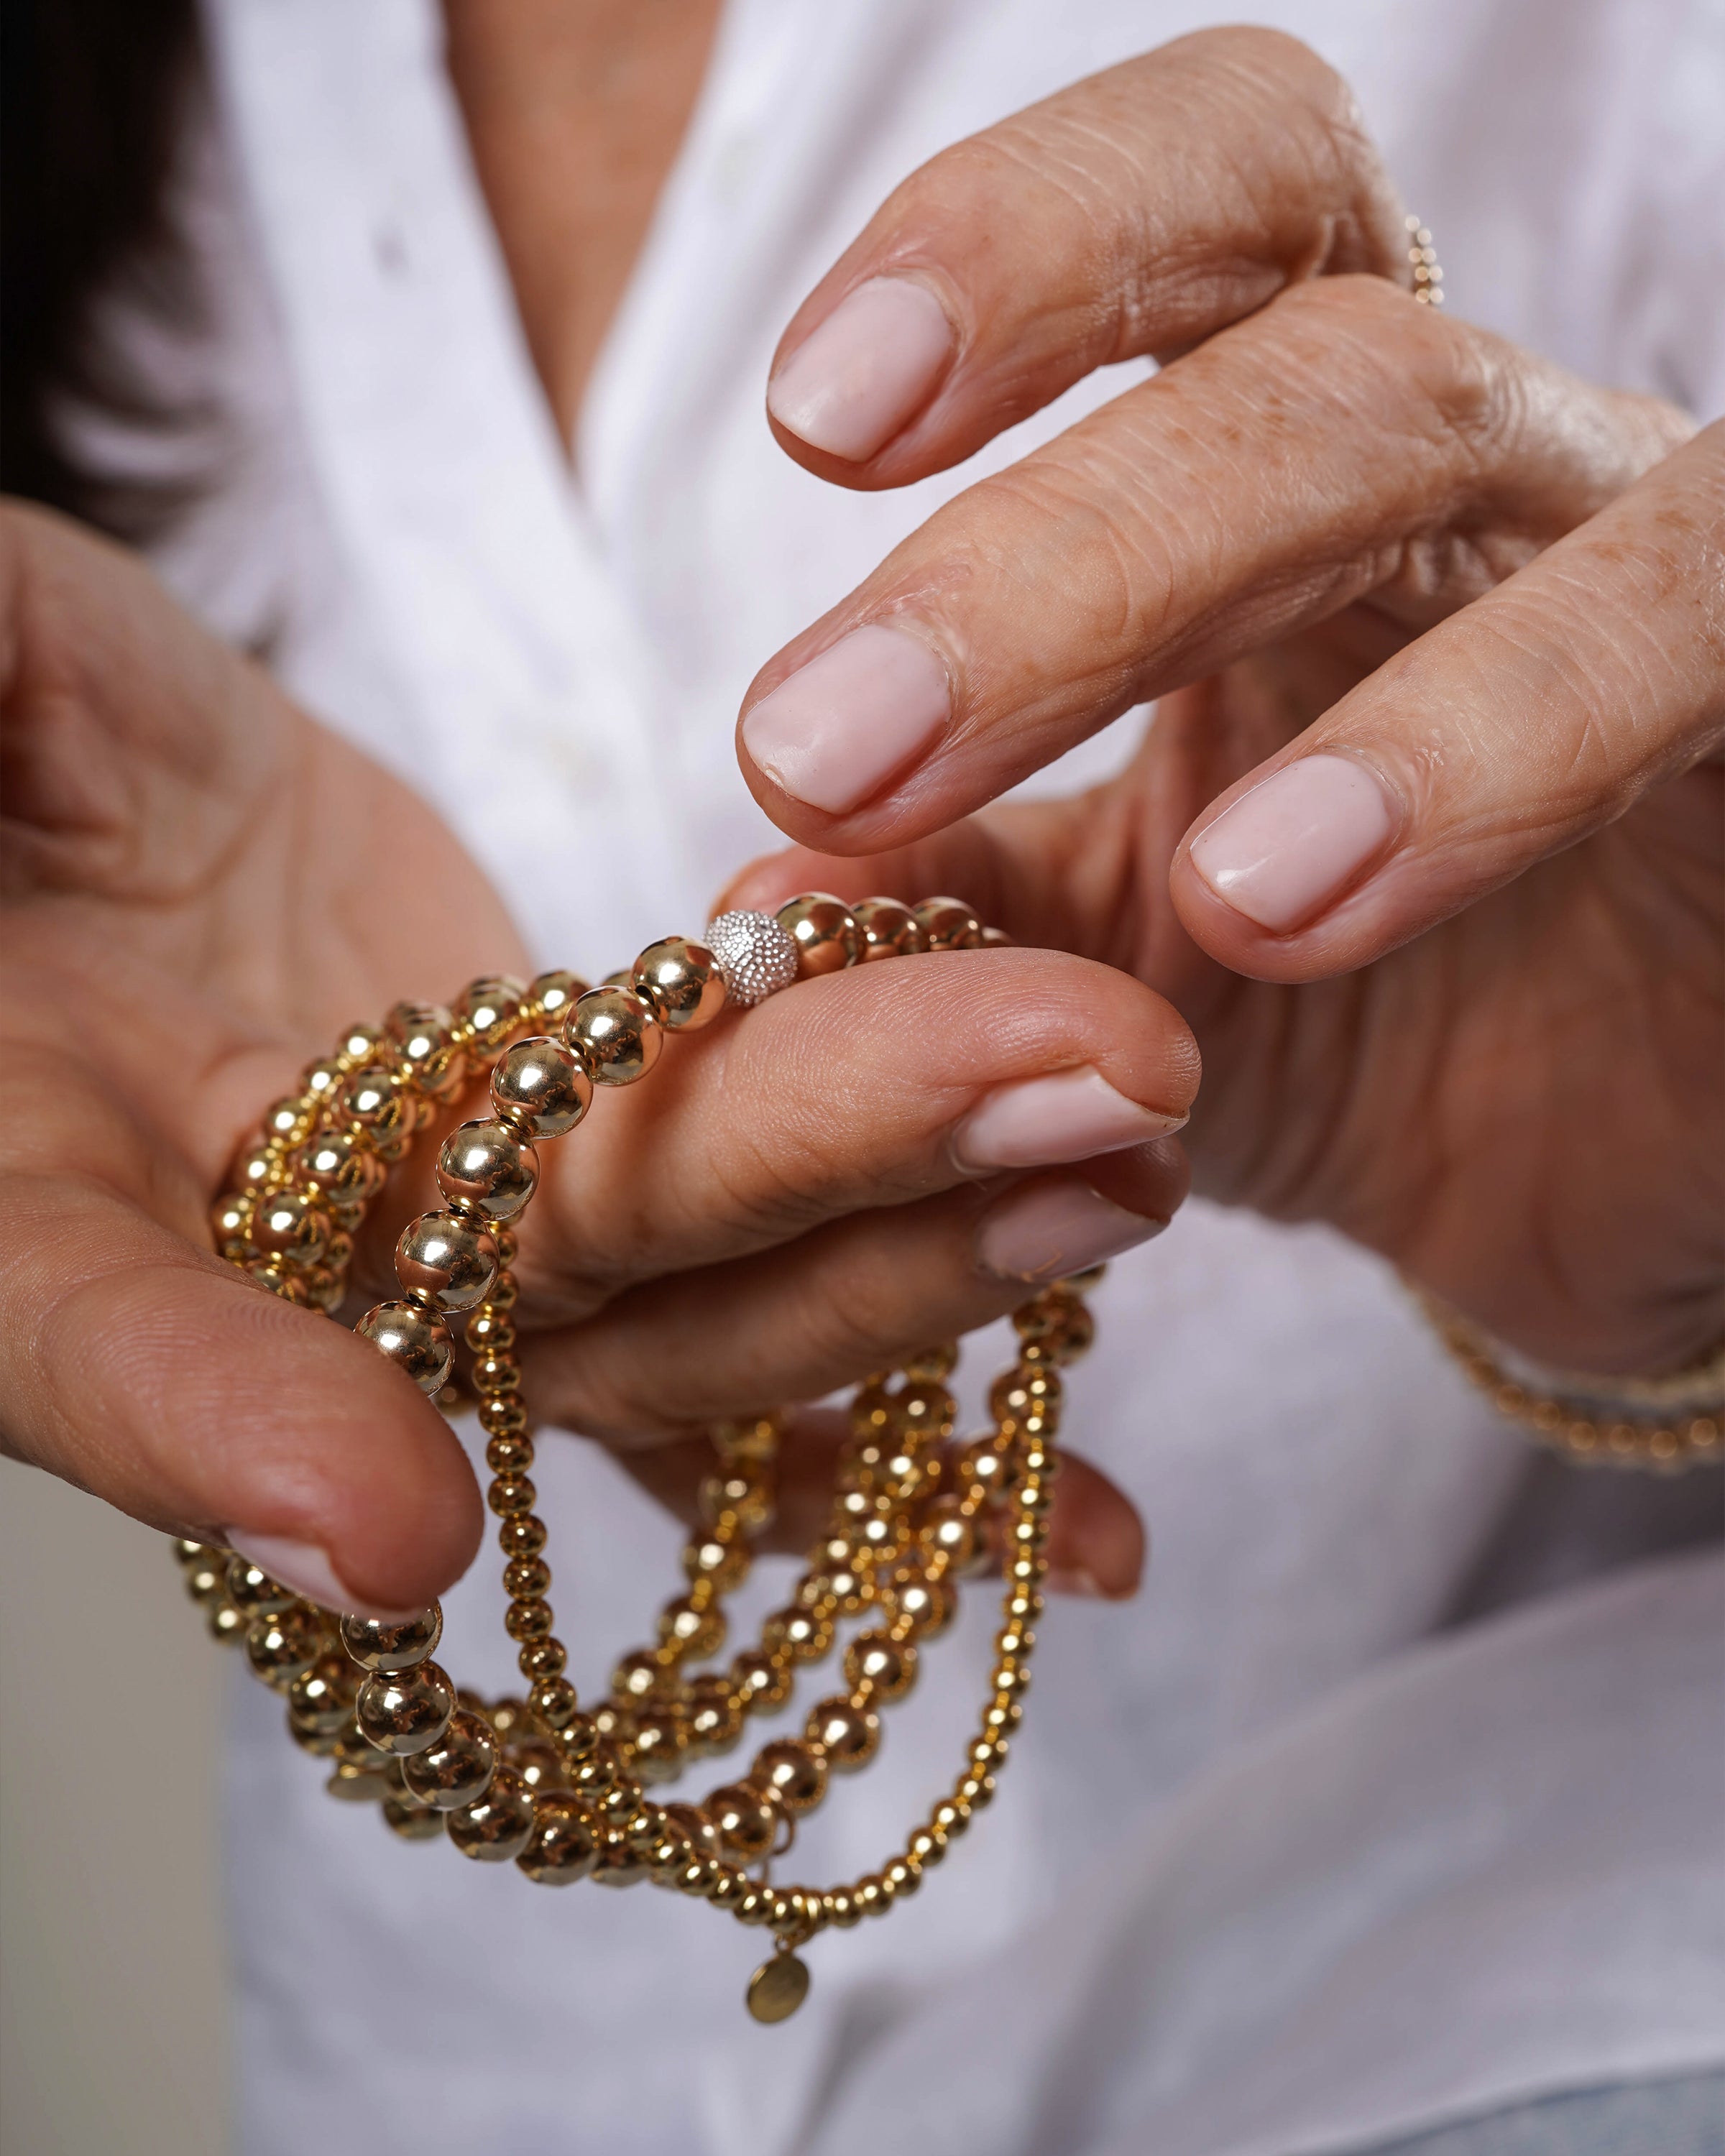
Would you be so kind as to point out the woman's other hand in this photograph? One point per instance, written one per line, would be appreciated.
(1426, 839)
(201, 886)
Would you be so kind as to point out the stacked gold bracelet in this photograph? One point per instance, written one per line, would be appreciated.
(561, 1792)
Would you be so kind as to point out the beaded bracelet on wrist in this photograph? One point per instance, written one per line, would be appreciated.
(562, 1791)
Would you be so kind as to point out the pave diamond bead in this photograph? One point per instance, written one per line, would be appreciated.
(756, 957)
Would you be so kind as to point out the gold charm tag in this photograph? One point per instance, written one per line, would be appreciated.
(778, 1988)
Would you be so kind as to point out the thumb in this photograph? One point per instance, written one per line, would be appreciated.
(154, 1375)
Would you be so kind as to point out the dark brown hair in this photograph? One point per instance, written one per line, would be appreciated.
(93, 96)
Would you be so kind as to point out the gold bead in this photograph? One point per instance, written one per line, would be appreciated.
(510, 1456)
(696, 1631)
(401, 1711)
(282, 1644)
(380, 1101)
(848, 1735)
(887, 1668)
(488, 1168)
(520, 1535)
(886, 929)
(760, 1679)
(792, 1774)
(869, 1897)
(321, 1697)
(948, 924)
(824, 932)
(691, 1829)
(489, 1009)
(528, 1618)
(553, 1701)
(560, 1847)
(495, 1828)
(754, 1906)
(377, 1644)
(511, 1493)
(748, 1822)
(951, 1819)
(412, 1822)
(457, 1769)
(415, 1341)
(541, 1088)
(615, 1034)
(976, 1790)
(662, 1736)
(230, 1223)
(424, 1035)
(948, 1530)
(715, 1717)
(680, 983)
(615, 1864)
(803, 1634)
(251, 1589)
(539, 1763)
(900, 1878)
(289, 1122)
(541, 1659)
(742, 1492)
(352, 1785)
(641, 1674)
(924, 1849)
(442, 1261)
(711, 1557)
(840, 1907)
(288, 1226)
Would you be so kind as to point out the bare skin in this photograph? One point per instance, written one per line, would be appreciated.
(1492, 1055)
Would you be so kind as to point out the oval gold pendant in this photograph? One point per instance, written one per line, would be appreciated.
(778, 1988)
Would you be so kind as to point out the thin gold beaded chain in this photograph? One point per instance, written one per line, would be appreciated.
(535, 1780)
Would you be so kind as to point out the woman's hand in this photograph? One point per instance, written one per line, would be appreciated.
(201, 886)
(1440, 632)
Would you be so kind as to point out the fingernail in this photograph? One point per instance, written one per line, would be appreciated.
(854, 715)
(1039, 1123)
(852, 384)
(306, 1568)
(1281, 853)
(1073, 1579)
(1049, 1229)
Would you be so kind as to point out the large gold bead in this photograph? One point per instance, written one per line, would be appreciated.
(886, 929)
(949, 925)
(948, 1529)
(761, 1680)
(251, 1589)
(661, 1737)
(321, 1697)
(538, 1764)
(804, 1634)
(640, 1675)
(289, 1227)
(793, 1774)
(561, 1847)
(886, 1667)
(230, 1226)
(423, 1034)
(338, 1164)
(748, 1821)
(824, 932)
(488, 1168)
(495, 1828)
(415, 1341)
(848, 1735)
(681, 983)
(443, 1260)
(457, 1769)
(281, 1645)
(375, 1644)
(615, 1034)
(206, 1579)
(693, 1826)
(541, 1088)
(412, 1822)
(401, 1711)
(289, 1122)
(696, 1628)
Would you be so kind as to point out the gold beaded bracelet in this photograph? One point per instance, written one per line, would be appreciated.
(1662, 1425)
(535, 1780)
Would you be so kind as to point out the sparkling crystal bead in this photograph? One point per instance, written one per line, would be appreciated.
(756, 955)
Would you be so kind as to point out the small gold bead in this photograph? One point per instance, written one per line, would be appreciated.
(803, 1634)
(539, 1764)
(553, 1701)
(697, 1632)
(761, 1679)
(540, 1659)
(251, 1589)
(925, 1848)
(824, 932)
(521, 1534)
(491, 1009)
(207, 1580)
(948, 1529)
(887, 1668)
(712, 1557)
(423, 1035)
(839, 1905)
(900, 1878)
(661, 1738)
(321, 1697)
(290, 1228)
(615, 1034)
(381, 1102)
(511, 1493)
(715, 1716)
(741, 1493)
(510, 1456)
